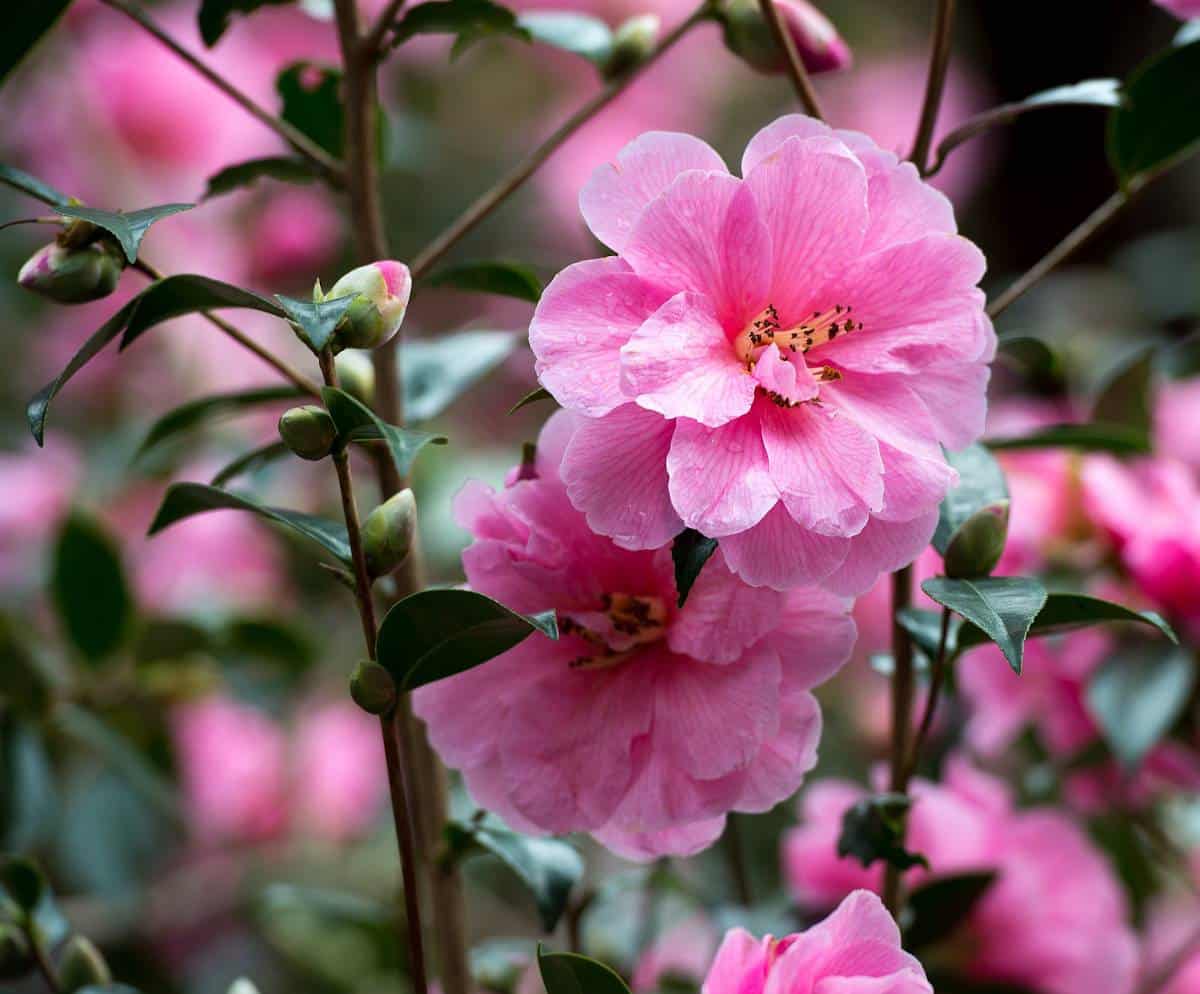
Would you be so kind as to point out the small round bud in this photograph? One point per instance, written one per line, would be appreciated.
(632, 42)
(373, 688)
(749, 36)
(356, 372)
(72, 275)
(16, 957)
(308, 431)
(81, 966)
(381, 292)
(387, 533)
(978, 543)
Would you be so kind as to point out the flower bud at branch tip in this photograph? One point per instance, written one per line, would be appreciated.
(308, 431)
(750, 37)
(72, 275)
(372, 688)
(82, 965)
(387, 533)
(381, 292)
(977, 545)
(632, 43)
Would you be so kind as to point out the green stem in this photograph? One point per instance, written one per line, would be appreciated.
(936, 681)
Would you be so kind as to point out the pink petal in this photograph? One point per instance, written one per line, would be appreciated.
(791, 380)
(861, 917)
(683, 840)
(740, 956)
(768, 139)
(585, 315)
(720, 482)
(780, 766)
(881, 547)
(681, 364)
(814, 635)
(903, 206)
(956, 396)
(779, 553)
(704, 234)
(615, 469)
(614, 197)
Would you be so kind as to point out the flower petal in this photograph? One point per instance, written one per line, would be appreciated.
(780, 766)
(881, 547)
(814, 635)
(644, 845)
(779, 553)
(768, 139)
(792, 381)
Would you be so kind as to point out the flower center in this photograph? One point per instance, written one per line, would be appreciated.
(625, 622)
(796, 342)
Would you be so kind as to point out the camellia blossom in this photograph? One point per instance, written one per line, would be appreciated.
(1181, 8)
(645, 723)
(856, 950)
(772, 361)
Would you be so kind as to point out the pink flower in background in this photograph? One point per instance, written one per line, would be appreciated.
(644, 724)
(1181, 8)
(1054, 919)
(1170, 931)
(683, 952)
(856, 950)
(38, 486)
(1176, 413)
(830, 273)
(295, 235)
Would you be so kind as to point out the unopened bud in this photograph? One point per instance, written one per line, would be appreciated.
(373, 688)
(978, 543)
(16, 957)
(527, 469)
(308, 431)
(81, 966)
(632, 42)
(382, 290)
(387, 533)
(72, 275)
(751, 38)
(356, 373)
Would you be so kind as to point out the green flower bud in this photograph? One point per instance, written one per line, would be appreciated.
(978, 543)
(748, 35)
(16, 957)
(632, 42)
(72, 275)
(308, 431)
(81, 966)
(356, 372)
(387, 533)
(382, 290)
(373, 688)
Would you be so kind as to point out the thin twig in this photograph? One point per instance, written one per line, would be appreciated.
(793, 63)
(373, 42)
(735, 860)
(936, 680)
(300, 142)
(31, 220)
(513, 180)
(902, 703)
(935, 85)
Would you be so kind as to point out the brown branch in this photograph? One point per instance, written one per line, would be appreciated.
(935, 85)
(936, 681)
(902, 703)
(373, 43)
(793, 63)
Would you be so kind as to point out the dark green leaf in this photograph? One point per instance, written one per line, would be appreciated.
(1137, 695)
(183, 500)
(23, 885)
(570, 973)
(1157, 124)
(941, 905)
(315, 321)
(980, 484)
(27, 788)
(541, 393)
(243, 174)
(436, 633)
(507, 279)
(266, 638)
(90, 593)
(1124, 399)
(128, 229)
(1041, 366)
(170, 640)
(873, 831)
(29, 684)
(215, 15)
(438, 371)
(312, 103)
(573, 32)
(20, 180)
(1117, 439)
(468, 20)
(357, 422)
(250, 462)
(25, 22)
(689, 552)
(1003, 607)
(548, 867)
(205, 409)
(925, 628)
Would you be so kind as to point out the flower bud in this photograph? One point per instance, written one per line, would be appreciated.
(978, 543)
(356, 373)
(373, 688)
(81, 966)
(308, 431)
(632, 42)
(72, 275)
(527, 469)
(387, 533)
(16, 958)
(750, 37)
(382, 290)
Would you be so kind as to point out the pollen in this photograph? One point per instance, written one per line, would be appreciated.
(812, 332)
(626, 622)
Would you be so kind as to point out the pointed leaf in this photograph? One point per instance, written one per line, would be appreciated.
(436, 633)
(580, 34)
(438, 371)
(20, 180)
(538, 394)
(243, 174)
(312, 102)
(507, 279)
(356, 422)
(940, 906)
(206, 409)
(925, 629)
(25, 22)
(128, 229)
(250, 462)
(1124, 399)
(1095, 437)
(215, 15)
(689, 552)
(315, 321)
(873, 831)
(570, 973)
(183, 500)
(980, 484)
(90, 591)
(468, 20)
(1003, 607)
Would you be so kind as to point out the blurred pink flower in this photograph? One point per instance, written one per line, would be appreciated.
(696, 353)
(38, 486)
(1171, 931)
(644, 724)
(1176, 412)
(1181, 8)
(1055, 917)
(295, 235)
(856, 950)
(684, 951)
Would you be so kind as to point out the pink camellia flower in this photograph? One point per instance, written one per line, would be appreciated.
(856, 950)
(1181, 8)
(682, 952)
(770, 360)
(1054, 919)
(38, 486)
(644, 724)
(1176, 410)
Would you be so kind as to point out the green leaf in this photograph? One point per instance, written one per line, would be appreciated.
(873, 831)
(1187, 33)
(925, 629)
(315, 321)
(533, 397)
(506, 279)
(250, 462)
(183, 500)
(940, 906)
(27, 787)
(25, 22)
(570, 973)
(580, 34)
(548, 867)
(440, 370)
(436, 633)
(1041, 367)
(468, 20)
(215, 15)
(1157, 125)
(312, 103)
(1137, 695)
(128, 229)
(689, 552)
(271, 640)
(356, 422)
(170, 640)
(980, 484)
(29, 685)
(1124, 399)
(20, 180)
(1095, 437)
(23, 884)
(243, 174)
(89, 588)
(206, 409)
(1002, 606)
(160, 301)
